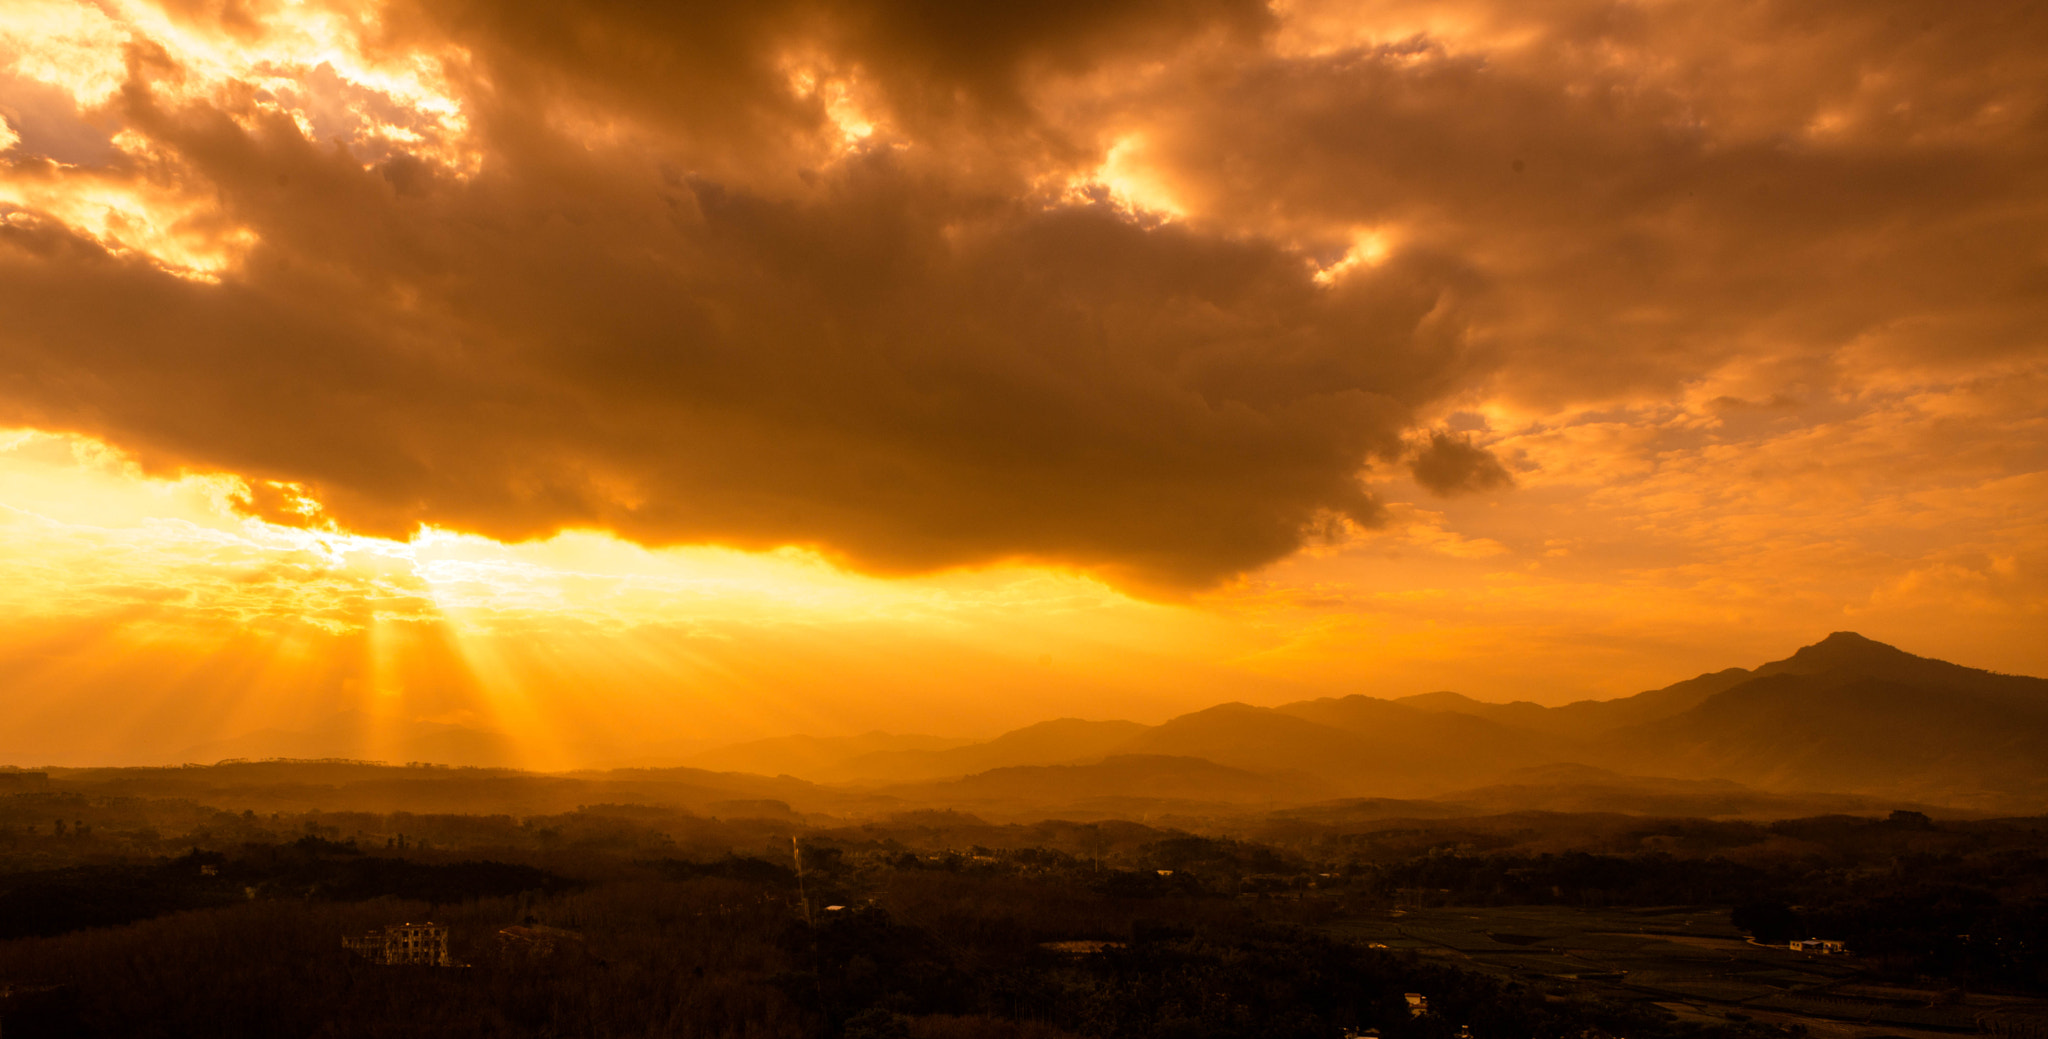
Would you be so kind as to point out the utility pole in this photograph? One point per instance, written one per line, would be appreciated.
(796, 852)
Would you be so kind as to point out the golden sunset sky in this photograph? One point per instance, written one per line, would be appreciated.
(627, 377)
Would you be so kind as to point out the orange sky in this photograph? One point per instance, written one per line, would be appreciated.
(625, 379)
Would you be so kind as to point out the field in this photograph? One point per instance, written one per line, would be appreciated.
(1690, 961)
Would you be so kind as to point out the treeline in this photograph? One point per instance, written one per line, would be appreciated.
(1908, 925)
(50, 902)
(1975, 918)
(1572, 878)
(1913, 899)
(661, 958)
(869, 974)
(57, 829)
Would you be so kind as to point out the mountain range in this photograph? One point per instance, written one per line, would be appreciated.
(1846, 715)
(1846, 724)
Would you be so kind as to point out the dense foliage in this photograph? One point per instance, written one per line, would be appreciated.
(47, 902)
(1974, 913)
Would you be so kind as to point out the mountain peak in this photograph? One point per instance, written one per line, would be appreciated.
(1843, 649)
(1848, 640)
(1846, 654)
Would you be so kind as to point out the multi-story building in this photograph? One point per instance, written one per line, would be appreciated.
(424, 944)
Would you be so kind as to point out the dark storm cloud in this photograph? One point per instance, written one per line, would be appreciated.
(677, 301)
(901, 368)
(1055, 384)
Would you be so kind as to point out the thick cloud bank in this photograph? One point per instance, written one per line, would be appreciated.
(1142, 288)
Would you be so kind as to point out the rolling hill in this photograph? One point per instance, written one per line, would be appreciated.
(1121, 784)
(1057, 742)
(808, 756)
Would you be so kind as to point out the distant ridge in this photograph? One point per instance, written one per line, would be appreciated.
(1846, 654)
(1846, 724)
(1057, 742)
(1851, 714)
(1124, 779)
(353, 735)
(808, 755)
(1837, 723)
(1586, 718)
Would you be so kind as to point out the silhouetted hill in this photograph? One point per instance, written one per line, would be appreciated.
(1588, 718)
(1846, 716)
(1453, 746)
(353, 734)
(809, 756)
(1584, 788)
(1243, 736)
(1360, 744)
(1058, 742)
(1829, 728)
(1122, 782)
(339, 785)
(1841, 730)
(1520, 713)
(1846, 654)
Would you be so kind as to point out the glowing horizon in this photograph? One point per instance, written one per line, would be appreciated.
(283, 627)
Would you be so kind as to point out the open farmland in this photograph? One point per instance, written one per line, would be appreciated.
(1690, 961)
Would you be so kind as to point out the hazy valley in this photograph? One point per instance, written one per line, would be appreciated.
(1633, 867)
(1844, 724)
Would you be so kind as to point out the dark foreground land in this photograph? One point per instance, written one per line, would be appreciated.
(145, 916)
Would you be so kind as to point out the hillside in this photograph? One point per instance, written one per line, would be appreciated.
(1840, 730)
(1122, 785)
(1588, 718)
(1057, 742)
(809, 756)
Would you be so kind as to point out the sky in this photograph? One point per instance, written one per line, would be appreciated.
(626, 378)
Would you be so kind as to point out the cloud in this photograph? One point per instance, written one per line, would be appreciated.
(1449, 464)
(1638, 198)
(1139, 288)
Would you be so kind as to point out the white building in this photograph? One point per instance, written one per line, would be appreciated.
(1822, 946)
